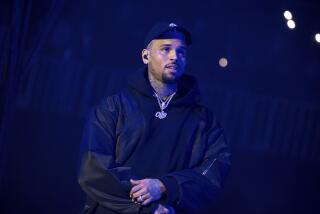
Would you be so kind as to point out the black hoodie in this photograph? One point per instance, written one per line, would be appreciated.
(123, 139)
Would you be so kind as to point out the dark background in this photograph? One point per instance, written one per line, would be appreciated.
(59, 58)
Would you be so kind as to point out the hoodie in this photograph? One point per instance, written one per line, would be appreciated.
(123, 139)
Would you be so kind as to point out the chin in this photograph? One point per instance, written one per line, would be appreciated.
(171, 77)
(171, 80)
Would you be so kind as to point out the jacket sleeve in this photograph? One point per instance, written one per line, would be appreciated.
(192, 190)
(99, 175)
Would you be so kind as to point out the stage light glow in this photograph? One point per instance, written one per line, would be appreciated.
(287, 15)
(223, 62)
(291, 24)
(317, 37)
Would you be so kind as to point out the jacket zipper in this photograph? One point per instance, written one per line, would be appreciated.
(207, 169)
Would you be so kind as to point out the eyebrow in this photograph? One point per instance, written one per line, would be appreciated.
(169, 45)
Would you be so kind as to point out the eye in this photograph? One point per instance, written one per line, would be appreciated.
(182, 52)
(165, 49)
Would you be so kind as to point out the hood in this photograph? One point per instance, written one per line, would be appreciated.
(187, 94)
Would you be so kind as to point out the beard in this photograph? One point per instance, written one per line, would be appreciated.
(164, 75)
(170, 78)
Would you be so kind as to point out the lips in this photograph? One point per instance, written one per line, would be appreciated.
(172, 66)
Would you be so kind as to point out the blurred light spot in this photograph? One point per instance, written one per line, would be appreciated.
(287, 14)
(223, 62)
(317, 37)
(291, 24)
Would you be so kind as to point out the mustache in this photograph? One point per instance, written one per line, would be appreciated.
(172, 65)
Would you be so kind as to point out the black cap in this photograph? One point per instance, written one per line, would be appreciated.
(166, 30)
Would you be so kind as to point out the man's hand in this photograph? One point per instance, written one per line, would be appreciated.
(164, 210)
(146, 190)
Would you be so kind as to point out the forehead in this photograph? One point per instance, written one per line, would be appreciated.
(177, 43)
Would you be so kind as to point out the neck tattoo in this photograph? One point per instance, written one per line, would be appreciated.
(163, 92)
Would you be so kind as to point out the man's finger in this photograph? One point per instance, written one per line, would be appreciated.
(143, 197)
(161, 210)
(141, 192)
(146, 202)
(135, 182)
(135, 189)
(146, 196)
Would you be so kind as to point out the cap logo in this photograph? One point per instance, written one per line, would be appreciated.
(172, 25)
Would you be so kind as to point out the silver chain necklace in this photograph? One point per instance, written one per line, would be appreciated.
(163, 104)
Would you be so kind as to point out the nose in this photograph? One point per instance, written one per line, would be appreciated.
(173, 54)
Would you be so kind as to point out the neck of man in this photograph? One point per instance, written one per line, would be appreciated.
(162, 89)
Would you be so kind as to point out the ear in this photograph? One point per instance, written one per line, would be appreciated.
(145, 56)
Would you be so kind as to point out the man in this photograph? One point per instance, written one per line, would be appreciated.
(152, 148)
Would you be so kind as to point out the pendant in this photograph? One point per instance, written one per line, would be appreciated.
(160, 115)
